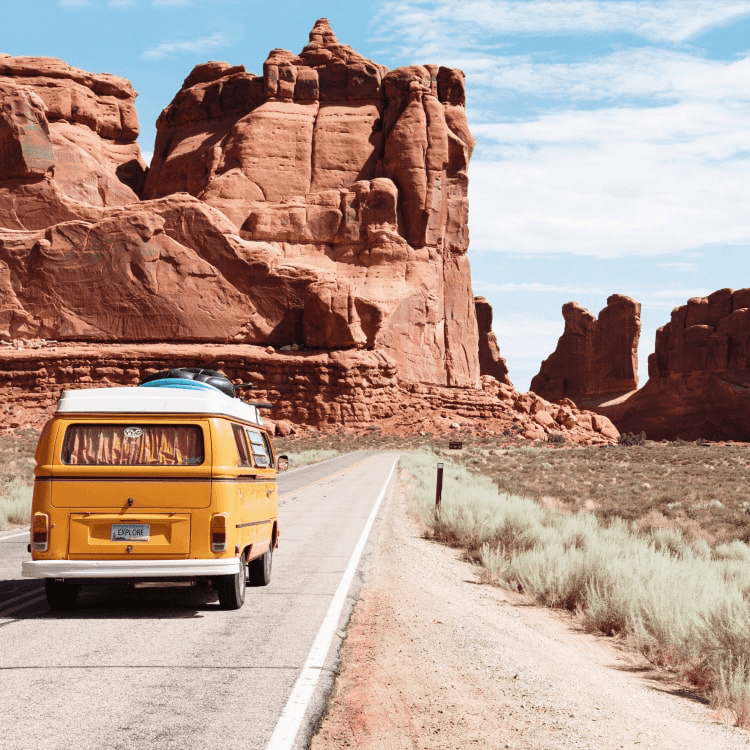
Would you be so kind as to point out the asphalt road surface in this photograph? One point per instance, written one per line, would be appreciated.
(166, 668)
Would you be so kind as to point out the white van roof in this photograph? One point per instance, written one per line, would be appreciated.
(161, 400)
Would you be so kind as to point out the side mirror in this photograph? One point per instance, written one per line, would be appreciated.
(282, 463)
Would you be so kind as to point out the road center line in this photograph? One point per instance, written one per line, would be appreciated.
(291, 718)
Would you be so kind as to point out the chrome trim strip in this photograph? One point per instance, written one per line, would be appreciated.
(129, 568)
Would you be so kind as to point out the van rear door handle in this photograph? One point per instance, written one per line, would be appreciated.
(248, 476)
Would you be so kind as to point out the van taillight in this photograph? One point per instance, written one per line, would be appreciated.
(219, 532)
(40, 532)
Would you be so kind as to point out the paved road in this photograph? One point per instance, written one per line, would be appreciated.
(166, 668)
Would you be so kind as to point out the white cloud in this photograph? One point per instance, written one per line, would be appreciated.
(613, 182)
(204, 45)
(462, 25)
(633, 73)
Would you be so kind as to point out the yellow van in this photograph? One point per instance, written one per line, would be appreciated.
(172, 482)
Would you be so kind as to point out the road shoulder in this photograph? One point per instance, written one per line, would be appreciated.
(432, 659)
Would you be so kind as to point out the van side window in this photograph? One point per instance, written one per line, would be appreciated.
(260, 456)
(242, 448)
(269, 449)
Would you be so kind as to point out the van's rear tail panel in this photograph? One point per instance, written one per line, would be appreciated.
(101, 535)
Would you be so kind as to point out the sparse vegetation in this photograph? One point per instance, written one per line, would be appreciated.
(670, 595)
(298, 459)
(16, 476)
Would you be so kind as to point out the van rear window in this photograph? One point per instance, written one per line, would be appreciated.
(133, 445)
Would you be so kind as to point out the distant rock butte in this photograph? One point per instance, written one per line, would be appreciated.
(319, 209)
(699, 373)
(595, 358)
(490, 361)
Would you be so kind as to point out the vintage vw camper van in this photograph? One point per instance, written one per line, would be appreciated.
(169, 482)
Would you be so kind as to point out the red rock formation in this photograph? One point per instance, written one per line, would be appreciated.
(329, 209)
(595, 360)
(330, 391)
(67, 143)
(490, 361)
(305, 229)
(699, 375)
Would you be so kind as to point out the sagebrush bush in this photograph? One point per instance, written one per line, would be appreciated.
(681, 604)
(312, 456)
(15, 502)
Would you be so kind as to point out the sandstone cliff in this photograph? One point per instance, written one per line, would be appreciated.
(67, 142)
(305, 229)
(327, 209)
(596, 359)
(490, 361)
(699, 374)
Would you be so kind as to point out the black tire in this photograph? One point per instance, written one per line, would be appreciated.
(155, 376)
(60, 595)
(259, 570)
(213, 377)
(231, 589)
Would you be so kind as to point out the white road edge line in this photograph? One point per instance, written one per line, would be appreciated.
(291, 718)
(13, 536)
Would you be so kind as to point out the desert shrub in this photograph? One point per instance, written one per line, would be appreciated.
(735, 550)
(632, 438)
(311, 456)
(15, 502)
(682, 606)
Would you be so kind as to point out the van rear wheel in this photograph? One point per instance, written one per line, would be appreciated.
(231, 589)
(60, 595)
(259, 570)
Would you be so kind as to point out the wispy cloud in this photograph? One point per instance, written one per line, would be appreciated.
(614, 181)
(647, 72)
(463, 25)
(203, 45)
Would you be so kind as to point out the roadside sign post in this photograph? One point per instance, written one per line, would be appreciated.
(439, 490)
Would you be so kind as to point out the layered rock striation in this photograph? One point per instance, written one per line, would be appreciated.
(68, 143)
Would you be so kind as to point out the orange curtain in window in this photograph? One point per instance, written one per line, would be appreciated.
(120, 445)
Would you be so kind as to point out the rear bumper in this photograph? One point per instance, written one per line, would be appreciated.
(129, 569)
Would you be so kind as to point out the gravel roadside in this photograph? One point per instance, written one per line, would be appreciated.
(433, 660)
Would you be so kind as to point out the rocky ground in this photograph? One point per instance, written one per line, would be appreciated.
(433, 660)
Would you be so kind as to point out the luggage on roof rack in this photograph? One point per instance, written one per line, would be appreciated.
(200, 375)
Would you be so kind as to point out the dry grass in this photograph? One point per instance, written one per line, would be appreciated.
(16, 476)
(684, 605)
(700, 489)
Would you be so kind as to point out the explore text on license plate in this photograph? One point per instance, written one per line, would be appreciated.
(130, 532)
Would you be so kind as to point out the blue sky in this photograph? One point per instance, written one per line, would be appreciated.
(613, 136)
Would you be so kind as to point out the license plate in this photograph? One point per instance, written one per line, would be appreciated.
(130, 532)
